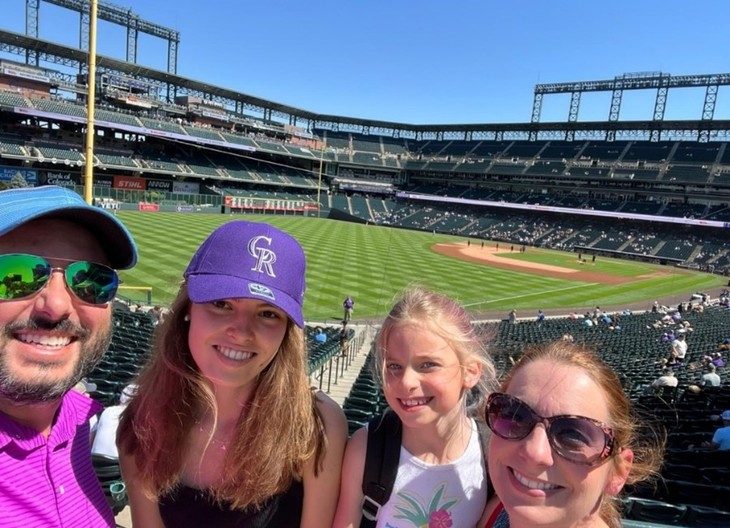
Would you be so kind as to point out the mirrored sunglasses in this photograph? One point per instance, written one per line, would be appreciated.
(24, 275)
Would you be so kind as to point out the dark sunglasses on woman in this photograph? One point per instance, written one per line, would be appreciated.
(575, 438)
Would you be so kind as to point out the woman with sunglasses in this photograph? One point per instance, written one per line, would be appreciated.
(564, 442)
(224, 429)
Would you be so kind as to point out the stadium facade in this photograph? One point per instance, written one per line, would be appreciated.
(656, 190)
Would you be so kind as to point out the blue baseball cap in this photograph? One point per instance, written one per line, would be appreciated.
(20, 206)
(249, 260)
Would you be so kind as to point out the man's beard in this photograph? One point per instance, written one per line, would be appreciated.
(92, 348)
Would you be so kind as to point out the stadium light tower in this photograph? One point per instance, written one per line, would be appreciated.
(90, 98)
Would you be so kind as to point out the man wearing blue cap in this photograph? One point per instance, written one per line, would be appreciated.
(58, 257)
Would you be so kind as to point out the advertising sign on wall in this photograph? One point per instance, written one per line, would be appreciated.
(9, 173)
(186, 187)
(130, 184)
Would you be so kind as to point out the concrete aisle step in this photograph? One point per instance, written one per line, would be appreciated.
(346, 376)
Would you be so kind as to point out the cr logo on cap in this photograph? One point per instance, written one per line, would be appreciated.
(265, 258)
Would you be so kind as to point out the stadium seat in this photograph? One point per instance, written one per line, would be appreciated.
(108, 472)
(655, 511)
(703, 517)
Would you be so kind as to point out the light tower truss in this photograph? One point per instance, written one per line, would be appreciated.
(110, 13)
(243, 106)
(661, 82)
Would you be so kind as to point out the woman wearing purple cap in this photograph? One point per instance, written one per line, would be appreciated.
(224, 429)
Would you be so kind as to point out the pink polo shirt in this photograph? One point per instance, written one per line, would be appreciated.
(50, 482)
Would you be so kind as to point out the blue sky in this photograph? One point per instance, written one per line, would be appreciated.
(431, 61)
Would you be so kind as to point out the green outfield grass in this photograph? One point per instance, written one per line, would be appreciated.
(373, 264)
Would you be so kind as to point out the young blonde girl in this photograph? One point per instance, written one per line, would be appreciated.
(430, 361)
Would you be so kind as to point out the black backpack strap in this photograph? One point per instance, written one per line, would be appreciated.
(381, 465)
(483, 437)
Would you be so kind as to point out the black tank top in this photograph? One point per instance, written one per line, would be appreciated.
(188, 507)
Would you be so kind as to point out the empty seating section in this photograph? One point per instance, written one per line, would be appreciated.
(116, 117)
(12, 146)
(687, 173)
(241, 140)
(367, 144)
(561, 150)
(604, 205)
(394, 146)
(440, 166)
(649, 208)
(429, 148)
(360, 207)
(590, 172)
(631, 173)
(166, 126)
(270, 146)
(200, 165)
(458, 148)
(115, 159)
(489, 149)
(367, 158)
(365, 399)
(161, 164)
(546, 168)
(59, 152)
(696, 153)
(603, 152)
(523, 150)
(340, 202)
(12, 99)
(681, 210)
(336, 140)
(648, 152)
(202, 133)
(507, 168)
(58, 107)
(472, 166)
(127, 353)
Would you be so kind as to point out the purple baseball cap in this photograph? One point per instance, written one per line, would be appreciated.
(249, 260)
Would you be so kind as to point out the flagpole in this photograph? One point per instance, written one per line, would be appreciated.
(91, 96)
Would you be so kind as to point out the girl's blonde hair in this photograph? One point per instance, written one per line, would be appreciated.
(280, 432)
(446, 318)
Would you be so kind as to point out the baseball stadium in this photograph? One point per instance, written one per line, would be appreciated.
(610, 233)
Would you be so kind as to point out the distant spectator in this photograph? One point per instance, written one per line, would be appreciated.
(512, 317)
(679, 350)
(344, 337)
(721, 438)
(540, 316)
(717, 360)
(320, 336)
(667, 379)
(105, 431)
(710, 378)
(348, 305)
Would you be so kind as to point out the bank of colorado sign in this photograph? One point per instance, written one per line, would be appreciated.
(62, 178)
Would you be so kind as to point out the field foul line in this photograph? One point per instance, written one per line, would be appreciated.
(530, 294)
